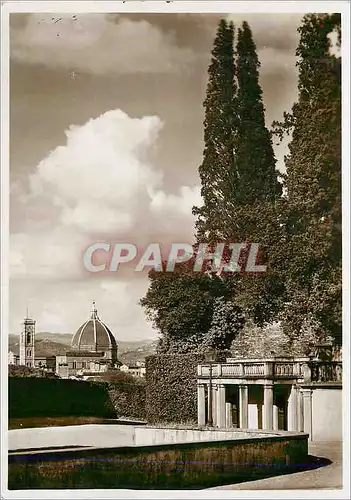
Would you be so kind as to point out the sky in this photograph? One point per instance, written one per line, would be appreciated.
(106, 136)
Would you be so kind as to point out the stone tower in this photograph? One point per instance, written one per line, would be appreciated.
(27, 343)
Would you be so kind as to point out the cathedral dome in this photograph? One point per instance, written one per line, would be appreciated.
(94, 335)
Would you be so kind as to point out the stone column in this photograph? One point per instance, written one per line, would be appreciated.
(307, 412)
(299, 410)
(221, 406)
(201, 413)
(275, 417)
(243, 406)
(228, 415)
(212, 404)
(268, 406)
(292, 410)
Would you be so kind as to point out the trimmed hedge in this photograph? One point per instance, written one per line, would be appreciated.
(128, 397)
(171, 388)
(40, 397)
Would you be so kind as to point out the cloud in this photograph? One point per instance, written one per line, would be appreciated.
(177, 204)
(275, 31)
(97, 177)
(98, 185)
(97, 43)
(101, 186)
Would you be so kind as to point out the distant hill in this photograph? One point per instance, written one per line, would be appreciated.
(49, 344)
(137, 352)
(43, 346)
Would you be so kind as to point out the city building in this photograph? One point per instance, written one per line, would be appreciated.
(47, 363)
(13, 359)
(137, 370)
(93, 350)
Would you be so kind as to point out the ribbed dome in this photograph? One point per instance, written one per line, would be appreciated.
(94, 335)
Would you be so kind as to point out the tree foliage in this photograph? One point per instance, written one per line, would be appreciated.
(312, 216)
(227, 322)
(257, 178)
(180, 304)
(217, 172)
(299, 233)
(256, 204)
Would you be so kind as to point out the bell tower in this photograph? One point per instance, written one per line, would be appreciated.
(27, 340)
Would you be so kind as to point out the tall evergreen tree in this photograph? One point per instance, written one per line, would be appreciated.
(217, 172)
(312, 268)
(256, 208)
(255, 161)
(181, 304)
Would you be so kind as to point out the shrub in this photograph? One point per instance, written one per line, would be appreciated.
(41, 397)
(127, 394)
(171, 388)
(21, 371)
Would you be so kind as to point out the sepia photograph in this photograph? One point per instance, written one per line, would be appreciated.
(175, 249)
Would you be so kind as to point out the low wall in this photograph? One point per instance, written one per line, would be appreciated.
(145, 436)
(169, 466)
(97, 435)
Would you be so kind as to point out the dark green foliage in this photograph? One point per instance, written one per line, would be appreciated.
(256, 207)
(227, 322)
(21, 371)
(171, 388)
(35, 397)
(217, 174)
(180, 304)
(244, 206)
(312, 217)
(127, 394)
(254, 155)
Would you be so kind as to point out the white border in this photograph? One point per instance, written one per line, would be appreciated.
(174, 7)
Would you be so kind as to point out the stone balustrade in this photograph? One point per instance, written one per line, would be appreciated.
(249, 369)
(303, 368)
(326, 371)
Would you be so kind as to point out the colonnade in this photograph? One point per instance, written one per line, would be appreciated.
(299, 407)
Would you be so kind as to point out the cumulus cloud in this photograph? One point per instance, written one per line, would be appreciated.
(102, 186)
(97, 43)
(96, 178)
(98, 186)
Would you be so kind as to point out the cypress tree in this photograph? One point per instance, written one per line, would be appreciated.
(256, 217)
(217, 171)
(255, 161)
(313, 182)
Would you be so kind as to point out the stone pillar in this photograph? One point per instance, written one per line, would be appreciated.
(275, 418)
(299, 410)
(201, 413)
(253, 416)
(212, 404)
(307, 412)
(228, 415)
(268, 406)
(221, 406)
(292, 410)
(243, 406)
